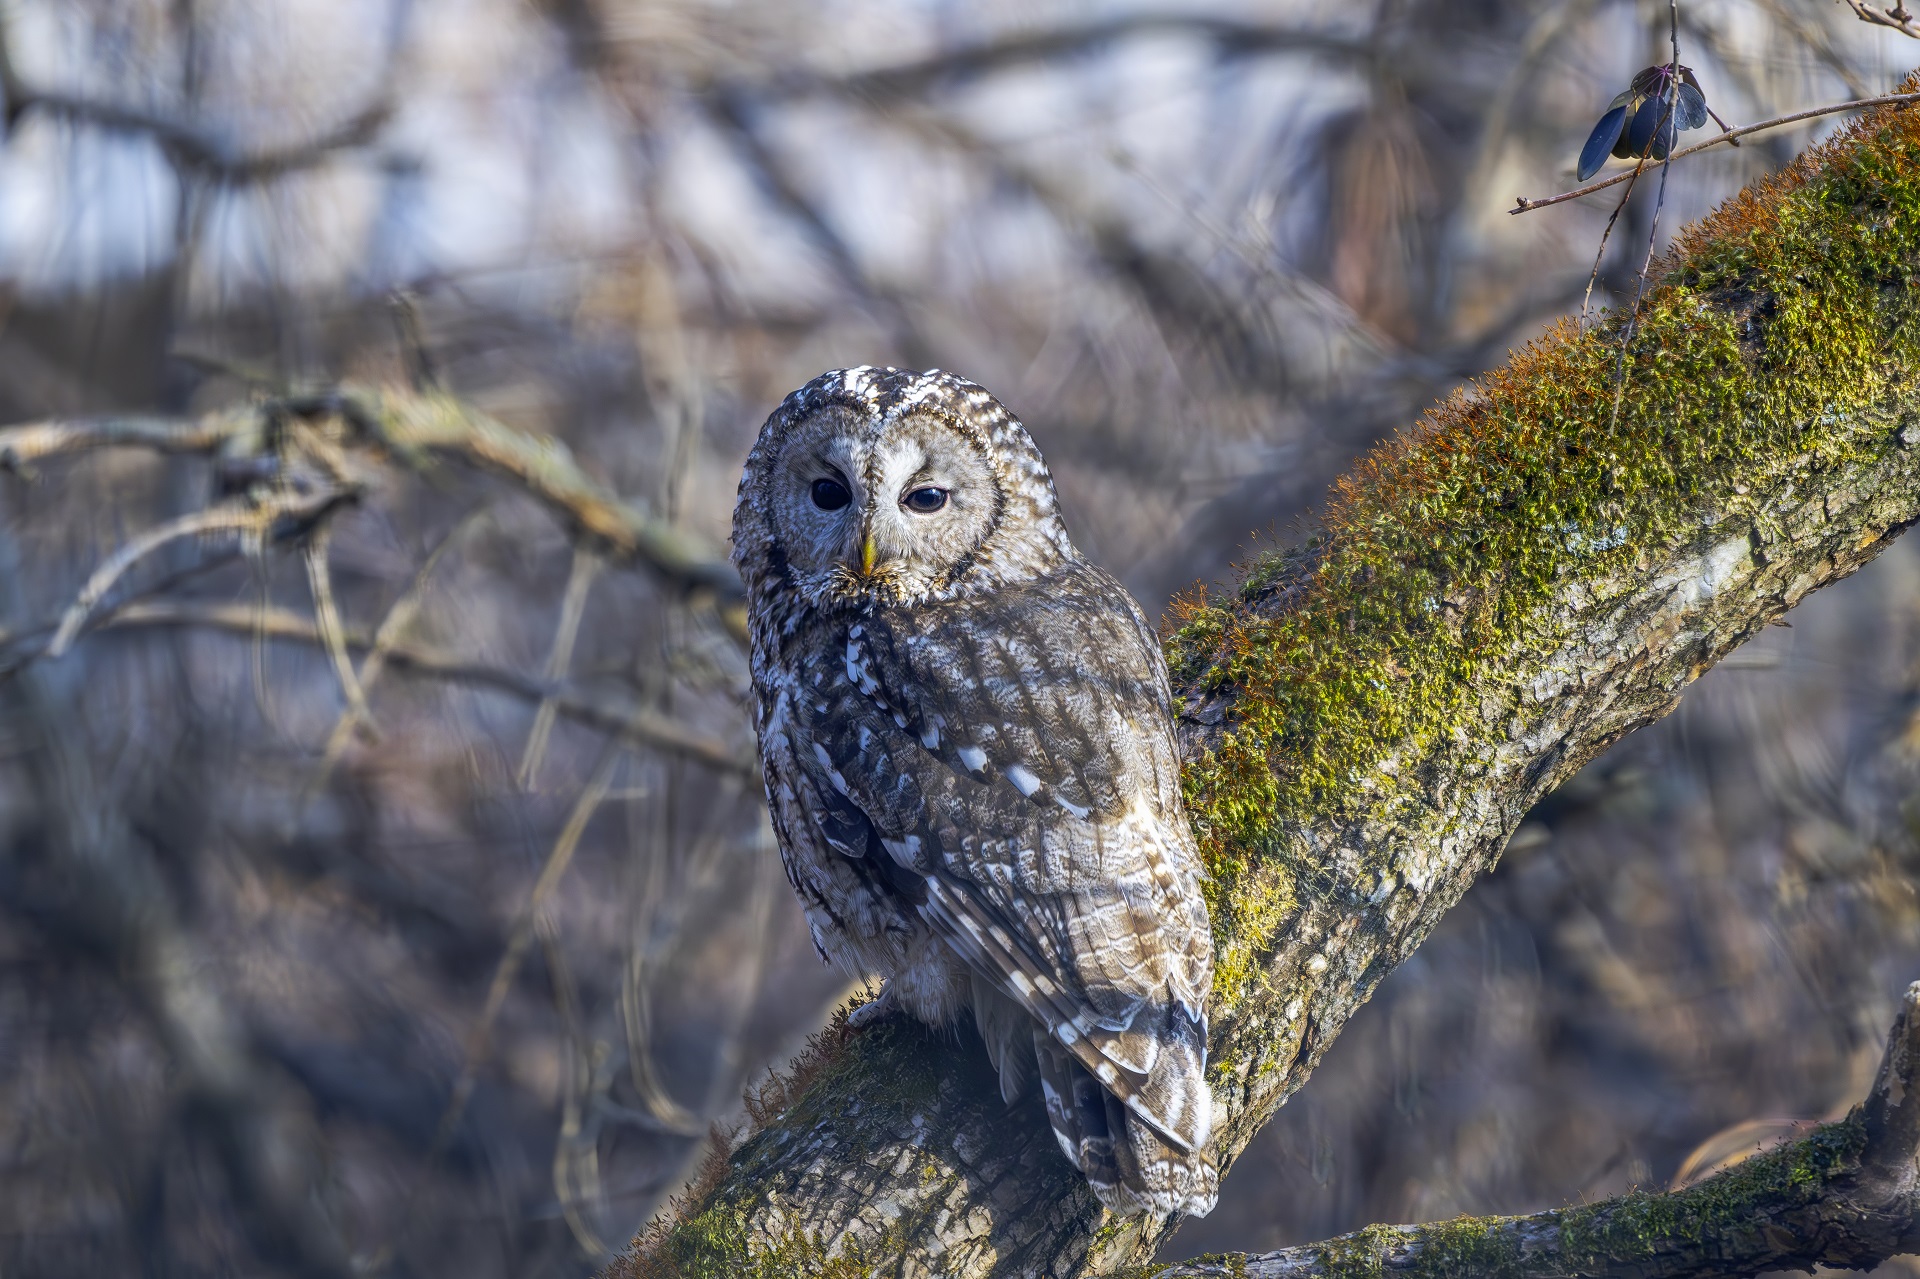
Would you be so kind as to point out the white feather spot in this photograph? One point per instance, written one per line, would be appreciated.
(930, 738)
(1023, 778)
(973, 758)
(1071, 807)
(826, 762)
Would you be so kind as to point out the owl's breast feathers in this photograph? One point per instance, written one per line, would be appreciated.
(1005, 766)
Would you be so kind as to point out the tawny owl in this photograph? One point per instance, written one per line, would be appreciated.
(968, 745)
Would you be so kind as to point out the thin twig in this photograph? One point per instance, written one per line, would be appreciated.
(398, 618)
(252, 520)
(1594, 275)
(1653, 225)
(641, 727)
(1524, 205)
(326, 616)
(559, 858)
(573, 605)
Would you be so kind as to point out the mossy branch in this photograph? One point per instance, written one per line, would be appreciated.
(1540, 567)
(1843, 1197)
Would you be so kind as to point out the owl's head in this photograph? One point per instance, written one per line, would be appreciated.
(880, 486)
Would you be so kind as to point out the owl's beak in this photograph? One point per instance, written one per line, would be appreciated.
(867, 556)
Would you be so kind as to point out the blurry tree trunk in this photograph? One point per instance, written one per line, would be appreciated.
(1490, 603)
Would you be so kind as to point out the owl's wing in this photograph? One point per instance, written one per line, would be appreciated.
(1015, 757)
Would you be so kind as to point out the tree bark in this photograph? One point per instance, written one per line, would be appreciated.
(1539, 568)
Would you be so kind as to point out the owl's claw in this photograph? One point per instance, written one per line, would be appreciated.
(869, 1013)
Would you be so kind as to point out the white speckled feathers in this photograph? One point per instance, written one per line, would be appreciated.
(970, 759)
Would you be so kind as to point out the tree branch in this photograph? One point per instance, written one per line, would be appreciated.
(188, 144)
(1899, 17)
(412, 424)
(585, 706)
(1843, 1197)
(1230, 38)
(1490, 602)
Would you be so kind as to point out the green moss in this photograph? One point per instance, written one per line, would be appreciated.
(1768, 343)
(720, 1244)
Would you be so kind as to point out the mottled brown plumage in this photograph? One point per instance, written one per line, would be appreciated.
(969, 755)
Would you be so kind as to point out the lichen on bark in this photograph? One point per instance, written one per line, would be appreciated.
(1539, 567)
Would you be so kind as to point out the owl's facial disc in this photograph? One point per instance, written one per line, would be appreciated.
(868, 509)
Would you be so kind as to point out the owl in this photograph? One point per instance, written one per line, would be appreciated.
(967, 739)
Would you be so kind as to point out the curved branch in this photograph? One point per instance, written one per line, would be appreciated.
(1899, 17)
(1491, 602)
(1842, 1197)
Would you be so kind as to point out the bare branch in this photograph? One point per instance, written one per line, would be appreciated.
(573, 605)
(559, 858)
(392, 626)
(596, 710)
(189, 144)
(22, 446)
(431, 421)
(1228, 36)
(1899, 18)
(326, 617)
(252, 520)
(412, 424)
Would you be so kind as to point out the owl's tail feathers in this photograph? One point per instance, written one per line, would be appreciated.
(1131, 1167)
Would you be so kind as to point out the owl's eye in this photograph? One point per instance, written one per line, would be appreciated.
(830, 495)
(925, 501)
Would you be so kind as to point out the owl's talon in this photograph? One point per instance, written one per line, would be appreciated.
(877, 1010)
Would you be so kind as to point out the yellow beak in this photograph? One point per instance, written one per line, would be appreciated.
(867, 555)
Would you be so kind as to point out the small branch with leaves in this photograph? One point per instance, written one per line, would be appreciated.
(1525, 205)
